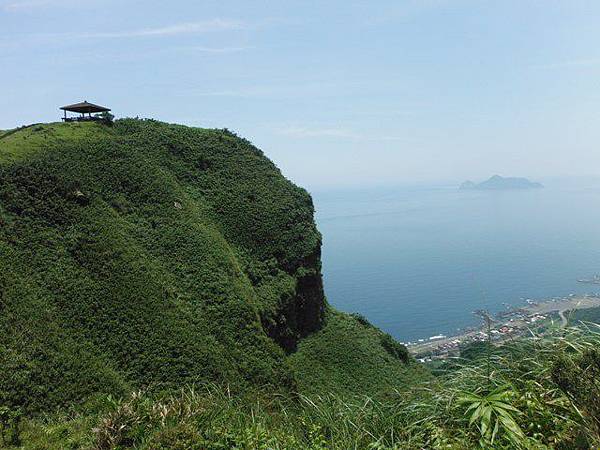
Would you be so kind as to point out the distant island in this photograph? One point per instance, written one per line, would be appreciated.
(501, 183)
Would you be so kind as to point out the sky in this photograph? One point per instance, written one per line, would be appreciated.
(337, 93)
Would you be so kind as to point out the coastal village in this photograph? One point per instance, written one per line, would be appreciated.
(533, 317)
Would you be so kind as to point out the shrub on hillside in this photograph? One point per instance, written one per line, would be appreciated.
(578, 375)
(394, 348)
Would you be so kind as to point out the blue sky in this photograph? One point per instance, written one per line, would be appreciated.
(337, 93)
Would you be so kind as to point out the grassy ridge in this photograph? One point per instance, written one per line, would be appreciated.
(148, 254)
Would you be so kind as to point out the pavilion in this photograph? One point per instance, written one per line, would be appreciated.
(83, 108)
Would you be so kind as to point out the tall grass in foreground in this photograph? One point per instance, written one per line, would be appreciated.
(540, 393)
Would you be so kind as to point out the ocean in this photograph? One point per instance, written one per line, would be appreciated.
(417, 261)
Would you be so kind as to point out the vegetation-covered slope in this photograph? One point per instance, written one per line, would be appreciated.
(151, 254)
(577, 316)
(350, 355)
(530, 394)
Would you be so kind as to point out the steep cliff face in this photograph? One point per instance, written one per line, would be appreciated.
(148, 254)
(301, 313)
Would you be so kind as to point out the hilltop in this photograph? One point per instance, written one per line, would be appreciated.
(497, 182)
(149, 254)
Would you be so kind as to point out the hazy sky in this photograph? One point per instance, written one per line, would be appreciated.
(337, 93)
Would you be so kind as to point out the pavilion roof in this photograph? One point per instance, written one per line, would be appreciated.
(85, 107)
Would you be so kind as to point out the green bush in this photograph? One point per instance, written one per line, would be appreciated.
(106, 116)
(394, 348)
(10, 425)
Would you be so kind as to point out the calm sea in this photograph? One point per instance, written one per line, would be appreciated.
(417, 261)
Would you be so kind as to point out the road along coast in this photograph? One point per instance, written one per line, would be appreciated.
(534, 316)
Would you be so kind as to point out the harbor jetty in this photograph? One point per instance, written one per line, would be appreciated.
(593, 280)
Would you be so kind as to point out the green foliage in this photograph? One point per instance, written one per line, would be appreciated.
(10, 423)
(394, 348)
(476, 350)
(362, 320)
(106, 116)
(493, 414)
(577, 316)
(578, 376)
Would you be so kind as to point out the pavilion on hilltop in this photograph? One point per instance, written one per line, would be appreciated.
(82, 109)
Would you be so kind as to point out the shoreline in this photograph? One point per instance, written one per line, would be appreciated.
(503, 325)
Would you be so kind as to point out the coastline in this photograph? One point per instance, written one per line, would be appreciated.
(505, 325)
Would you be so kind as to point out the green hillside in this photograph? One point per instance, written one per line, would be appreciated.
(149, 254)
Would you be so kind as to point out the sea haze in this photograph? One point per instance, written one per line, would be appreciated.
(417, 261)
